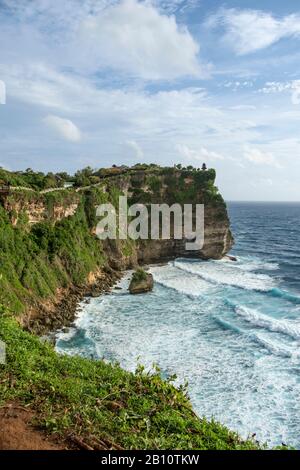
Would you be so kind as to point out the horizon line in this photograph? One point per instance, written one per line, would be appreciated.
(263, 202)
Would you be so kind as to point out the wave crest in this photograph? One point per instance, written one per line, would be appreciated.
(256, 318)
(218, 274)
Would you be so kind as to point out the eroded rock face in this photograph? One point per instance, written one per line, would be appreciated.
(37, 210)
(153, 188)
(218, 241)
(141, 286)
(218, 238)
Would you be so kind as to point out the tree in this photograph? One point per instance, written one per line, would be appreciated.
(82, 177)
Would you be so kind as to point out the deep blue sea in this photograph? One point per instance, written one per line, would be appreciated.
(232, 330)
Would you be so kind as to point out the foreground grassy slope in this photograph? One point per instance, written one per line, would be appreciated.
(92, 398)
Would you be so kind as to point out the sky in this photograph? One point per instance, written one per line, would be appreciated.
(102, 82)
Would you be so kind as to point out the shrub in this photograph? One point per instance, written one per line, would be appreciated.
(154, 182)
(139, 275)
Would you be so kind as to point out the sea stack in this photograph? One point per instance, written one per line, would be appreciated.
(141, 282)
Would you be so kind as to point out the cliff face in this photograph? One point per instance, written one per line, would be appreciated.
(168, 186)
(49, 250)
(38, 208)
(218, 241)
(172, 186)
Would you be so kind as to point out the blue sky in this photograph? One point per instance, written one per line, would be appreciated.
(98, 82)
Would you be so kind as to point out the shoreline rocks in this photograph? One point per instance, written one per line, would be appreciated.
(141, 282)
(230, 258)
(46, 318)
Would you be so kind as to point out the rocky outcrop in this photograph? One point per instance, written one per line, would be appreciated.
(39, 208)
(218, 241)
(174, 186)
(58, 312)
(230, 258)
(141, 282)
(158, 187)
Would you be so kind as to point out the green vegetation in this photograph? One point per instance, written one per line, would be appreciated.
(184, 184)
(139, 275)
(35, 262)
(32, 179)
(154, 182)
(139, 196)
(92, 398)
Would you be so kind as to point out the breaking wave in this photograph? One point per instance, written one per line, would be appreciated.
(258, 319)
(218, 274)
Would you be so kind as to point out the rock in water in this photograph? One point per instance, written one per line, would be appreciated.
(141, 282)
(230, 258)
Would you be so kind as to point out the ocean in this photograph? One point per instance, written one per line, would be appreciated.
(230, 329)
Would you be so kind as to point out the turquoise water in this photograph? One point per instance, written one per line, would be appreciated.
(232, 330)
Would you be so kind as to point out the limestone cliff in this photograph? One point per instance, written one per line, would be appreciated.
(158, 186)
(170, 186)
(50, 254)
(37, 208)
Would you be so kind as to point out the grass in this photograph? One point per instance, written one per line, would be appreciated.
(94, 398)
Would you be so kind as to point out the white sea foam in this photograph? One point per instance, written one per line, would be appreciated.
(245, 263)
(254, 265)
(286, 327)
(231, 376)
(264, 339)
(65, 335)
(275, 347)
(219, 273)
(168, 276)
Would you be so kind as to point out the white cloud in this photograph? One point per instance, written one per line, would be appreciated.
(249, 30)
(39, 84)
(113, 117)
(136, 38)
(292, 86)
(134, 111)
(260, 157)
(243, 107)
(138, 152)
(267, 181)
(175, 6)
(296, 92)
(64, 127)
(200, 155)
(275, 87)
